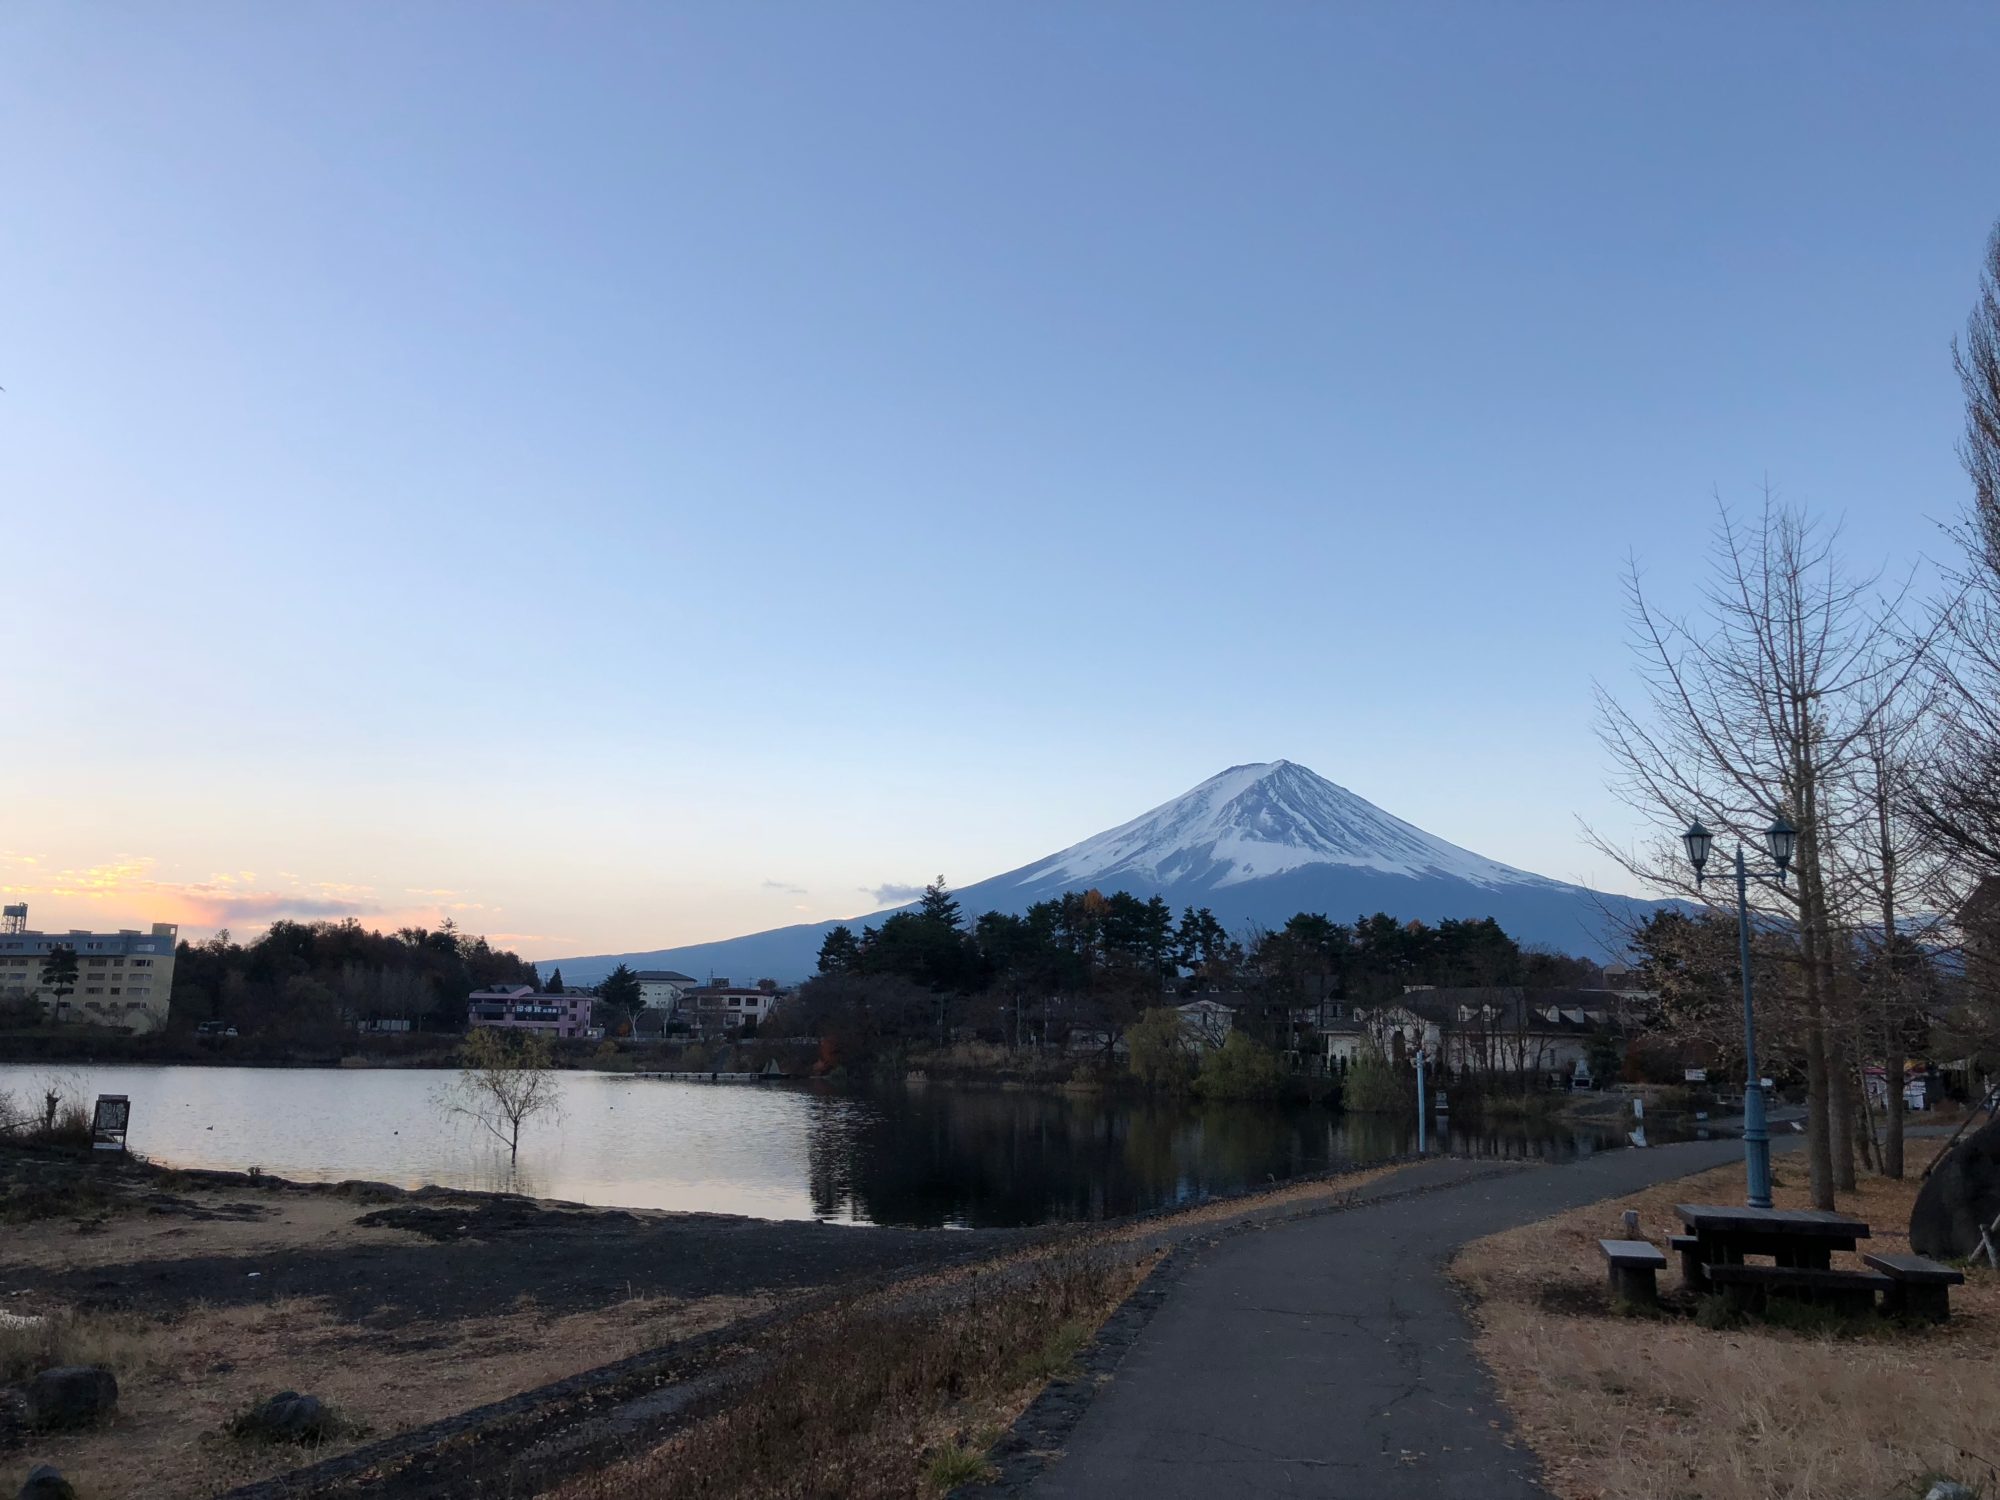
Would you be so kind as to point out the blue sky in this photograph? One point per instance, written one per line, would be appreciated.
(631, 475)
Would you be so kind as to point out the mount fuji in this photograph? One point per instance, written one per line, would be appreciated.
(1255, 844)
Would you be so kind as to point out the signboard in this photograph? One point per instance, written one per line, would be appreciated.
(108, 1125)
(1696, 1075)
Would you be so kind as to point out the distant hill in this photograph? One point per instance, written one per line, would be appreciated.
(1255, 844)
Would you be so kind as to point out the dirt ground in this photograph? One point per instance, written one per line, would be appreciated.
(398, 1309)
(206, 1293)
(1625, 1408)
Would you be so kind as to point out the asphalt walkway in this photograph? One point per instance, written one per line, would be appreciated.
(1330, 1357)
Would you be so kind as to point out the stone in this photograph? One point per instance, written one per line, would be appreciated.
(45, 1482)
(1961, 1197)
(287, 1417)
(71, 1396)
(1949, 1489)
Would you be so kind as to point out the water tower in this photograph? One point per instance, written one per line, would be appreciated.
(14, 917)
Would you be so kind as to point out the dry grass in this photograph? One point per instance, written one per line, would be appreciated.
(1634, 1409)
(183, 1382)
(881, 1398)
(29, 1344)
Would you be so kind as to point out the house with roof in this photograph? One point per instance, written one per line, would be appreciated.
(521, 1007)
(1206, 1023)
(663, 990)
(719, 1007)
(1482, 1029)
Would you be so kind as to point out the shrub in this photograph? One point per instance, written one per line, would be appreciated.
(1158, 1051)
(1240, 1069)
(1372, 1085)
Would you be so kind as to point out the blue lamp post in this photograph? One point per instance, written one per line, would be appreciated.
(1781, 839)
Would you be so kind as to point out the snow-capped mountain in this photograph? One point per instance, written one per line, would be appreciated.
(1255, 821)
(1255, 844)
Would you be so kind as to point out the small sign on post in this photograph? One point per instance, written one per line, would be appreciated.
(108, 1125)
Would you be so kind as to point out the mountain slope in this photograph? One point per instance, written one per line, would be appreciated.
(1255, 844)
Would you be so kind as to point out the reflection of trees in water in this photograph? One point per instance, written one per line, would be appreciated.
(989, 1157)
(492, 1172)
(1523, 1140)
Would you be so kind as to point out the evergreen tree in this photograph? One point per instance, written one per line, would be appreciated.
(620, 991)
(59, 971)
(555, 985)
(939, 905)
(839, 952)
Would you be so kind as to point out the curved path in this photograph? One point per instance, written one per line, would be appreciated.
(1329, 1356)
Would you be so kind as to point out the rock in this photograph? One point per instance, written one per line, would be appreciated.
(1960, 1198)
(45, 1482)
(71, 1396)
(287, 1417)
(1949, 1489)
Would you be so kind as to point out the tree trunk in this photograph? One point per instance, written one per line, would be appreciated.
(1819, 1144)
(1840, 1097)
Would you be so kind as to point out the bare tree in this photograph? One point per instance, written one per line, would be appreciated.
(1881, 858)
(502, 1085)
(1753, 708)
(1957, 796)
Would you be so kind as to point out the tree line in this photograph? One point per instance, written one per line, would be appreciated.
(1862, 708)
(311, 980)
(1095, 962)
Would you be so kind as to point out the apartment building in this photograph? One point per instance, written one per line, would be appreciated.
(521, 1007)
(719, 1007)
(123, 979)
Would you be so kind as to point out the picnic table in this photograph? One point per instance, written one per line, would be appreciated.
(1800, 1242)
(1723, 1235)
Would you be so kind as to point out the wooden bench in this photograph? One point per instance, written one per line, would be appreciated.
(1749, 1287)
(1634, 1267)
(1918, 1287)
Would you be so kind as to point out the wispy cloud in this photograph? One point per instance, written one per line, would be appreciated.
(893, 894)
(786, 886)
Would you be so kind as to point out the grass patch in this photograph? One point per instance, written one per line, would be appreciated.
(956, 1465)
(1055, 1356)
(872, 1401)
(121, 1345)
(1800, 1402)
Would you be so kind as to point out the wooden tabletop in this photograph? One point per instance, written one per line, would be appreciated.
(1805, 1222)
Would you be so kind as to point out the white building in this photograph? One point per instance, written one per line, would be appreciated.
(1206, 1023)
(663, 990)
(719, 1007)
(123, 979)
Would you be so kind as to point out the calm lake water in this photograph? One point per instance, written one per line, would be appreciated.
(923, 1156)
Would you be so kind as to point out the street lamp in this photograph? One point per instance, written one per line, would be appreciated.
(1781, 839)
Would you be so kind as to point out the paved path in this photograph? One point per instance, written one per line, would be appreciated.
(1330, 1357)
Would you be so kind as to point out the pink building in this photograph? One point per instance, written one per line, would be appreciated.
(521, 1007)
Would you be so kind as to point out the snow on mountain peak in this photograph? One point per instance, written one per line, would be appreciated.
(1257, 820)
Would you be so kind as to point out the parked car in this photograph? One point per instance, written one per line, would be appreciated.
(215, 1028)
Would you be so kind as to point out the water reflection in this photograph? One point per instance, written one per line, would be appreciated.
(915, 1156)
(987, 1158)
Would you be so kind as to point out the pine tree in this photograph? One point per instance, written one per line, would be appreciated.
(939, 905)
(620, 990)
(840, 952)
(555, 985)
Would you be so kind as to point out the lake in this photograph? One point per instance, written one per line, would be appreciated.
(922, 1156)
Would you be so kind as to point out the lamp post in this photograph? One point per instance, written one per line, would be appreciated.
(1781, 839)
